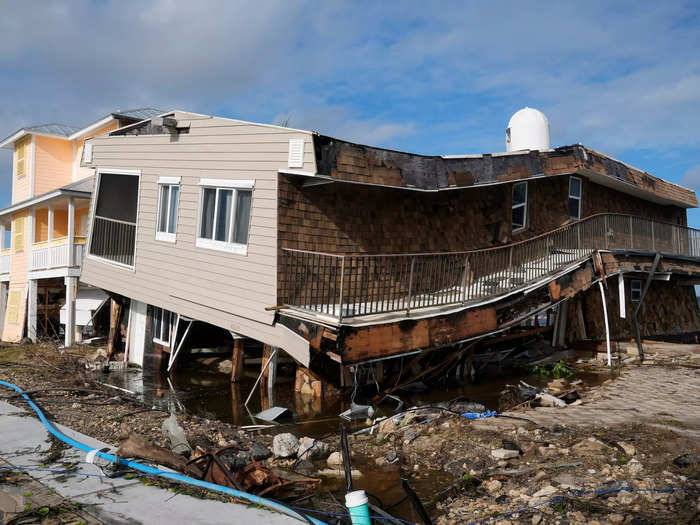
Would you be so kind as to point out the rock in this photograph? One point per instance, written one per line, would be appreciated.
(590, 446)
(548, 400)
(687, 460)
(634, 467)
(335, 459)
(409, 435)
(388, 426)
(75, 405)
(305, 467)
(467, 406)
(285, 445)
(545, 492)
(225, 366)
(536, 519)
(492, 485)
(628, 448)
(502, 453)
(615, 518)
(259, 452)
(312, 449)
(567, 481)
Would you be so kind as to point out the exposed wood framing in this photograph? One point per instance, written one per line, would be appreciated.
(369, 342)
(237, 361)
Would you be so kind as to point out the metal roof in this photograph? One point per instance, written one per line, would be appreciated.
(138, 114)
(70, 132)
(85, 185)
(53, 129)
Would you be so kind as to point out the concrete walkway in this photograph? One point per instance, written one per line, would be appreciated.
(24, 442)
(661, 396)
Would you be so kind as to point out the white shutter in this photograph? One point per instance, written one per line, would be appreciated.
(87, 152)
(296, 153)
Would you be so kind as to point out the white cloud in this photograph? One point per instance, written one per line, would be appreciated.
(691, 179)
(445, 80)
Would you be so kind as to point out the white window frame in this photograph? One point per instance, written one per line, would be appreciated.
(168, 181)
(579, 198)
(225, 184)
(157, 339)
(513, 206)
(93, 208)
(635, 288)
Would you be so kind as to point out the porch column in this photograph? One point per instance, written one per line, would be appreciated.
(71, 232)
(71, 285)
(4, 287)
(50, 233)
(31, 230)
(31, 309)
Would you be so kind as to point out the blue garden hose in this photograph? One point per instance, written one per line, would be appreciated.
(151, 471)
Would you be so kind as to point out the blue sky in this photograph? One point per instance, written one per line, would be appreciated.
(621, 77)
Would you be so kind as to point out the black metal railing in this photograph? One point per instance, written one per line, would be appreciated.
(345, 286)
(113, 240)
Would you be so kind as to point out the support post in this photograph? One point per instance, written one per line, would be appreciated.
(71, 232)
(621, 295)
(650, 277)
(51, 224)
(237, 360)
(607, 326)
(32, 297)
(114, 311)
(268, 373)
(71, 285)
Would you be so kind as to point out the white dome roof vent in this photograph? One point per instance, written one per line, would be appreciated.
(527, 129)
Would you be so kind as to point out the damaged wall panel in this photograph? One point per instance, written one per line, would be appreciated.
(668, 308)
(370, 342)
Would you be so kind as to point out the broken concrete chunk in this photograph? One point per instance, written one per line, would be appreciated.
(174, 433)
(545, 492)
(590, 446)
(335, 459)
(502, 453)
(634, 467)
(311, 449)
(285, 445)
(628, 448)
(492, 485)
(259, 452)
(548, 400)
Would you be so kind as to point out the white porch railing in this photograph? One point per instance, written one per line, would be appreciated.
(4, 263)
(55, 254)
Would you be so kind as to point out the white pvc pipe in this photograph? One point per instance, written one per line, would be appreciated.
(607, 326)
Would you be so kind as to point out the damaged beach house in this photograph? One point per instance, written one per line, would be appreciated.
(341, 254)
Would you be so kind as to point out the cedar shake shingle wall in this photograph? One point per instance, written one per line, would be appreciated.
(350, 218)
(345, 218)
(668, 309)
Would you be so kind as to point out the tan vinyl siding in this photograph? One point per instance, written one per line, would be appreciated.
(226, 289)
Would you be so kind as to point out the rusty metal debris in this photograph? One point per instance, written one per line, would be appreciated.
(221, 467)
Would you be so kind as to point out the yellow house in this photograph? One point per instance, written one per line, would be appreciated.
(42, 232)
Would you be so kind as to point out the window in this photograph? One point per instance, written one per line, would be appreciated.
(575, 198)
(18, 233)
(113, 229)
(519, 204)
(224, 217)
(168, 198)
(162, 321)
(21, 161)
(635, 290)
